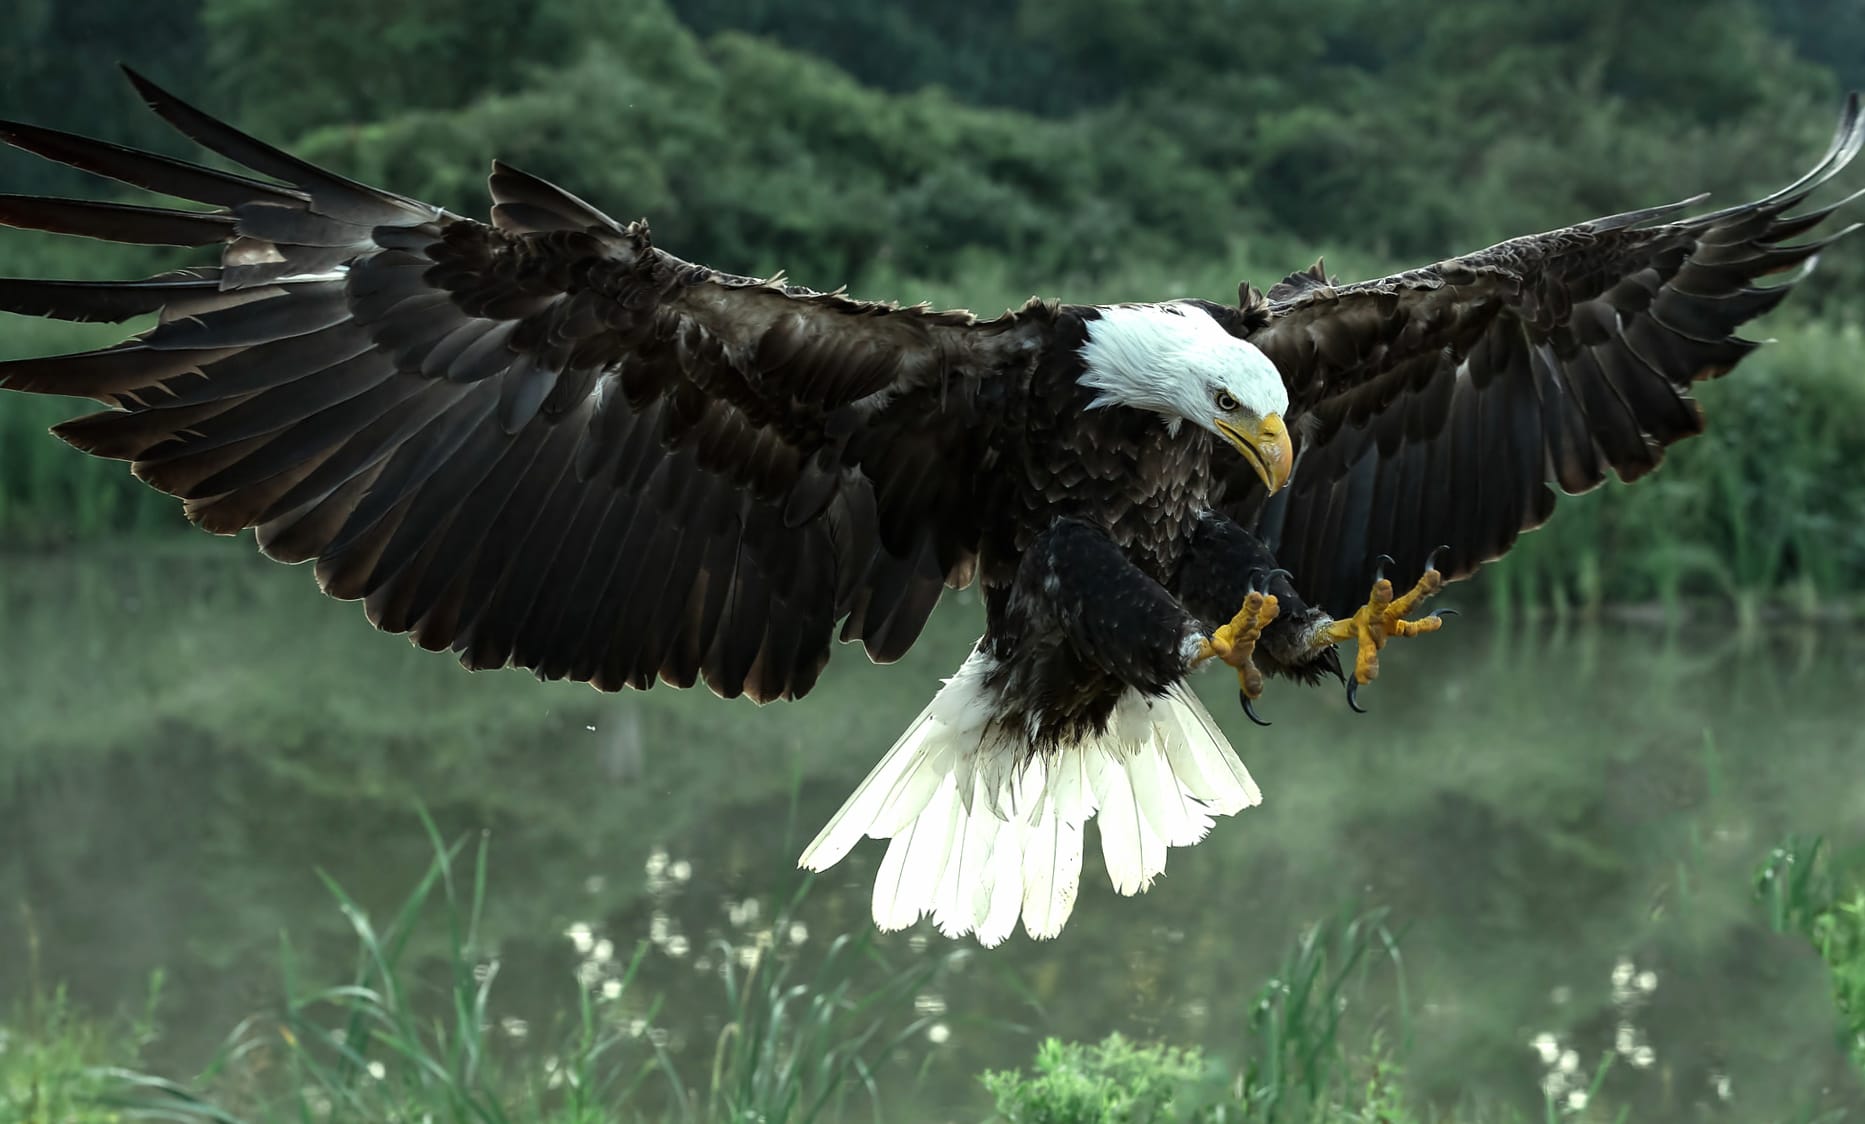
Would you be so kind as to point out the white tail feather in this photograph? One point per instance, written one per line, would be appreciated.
(982, 835)
(1173, 813)
(870, 799)
(1003, 890)
(963, 900)
(916, 858)
(1133, 851)
(1051, 876)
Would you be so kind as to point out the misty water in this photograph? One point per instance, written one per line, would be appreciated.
(1564, 821)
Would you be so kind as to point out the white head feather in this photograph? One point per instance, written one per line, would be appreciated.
(1176, 360)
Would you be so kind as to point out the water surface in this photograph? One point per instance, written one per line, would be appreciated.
(1564, 822)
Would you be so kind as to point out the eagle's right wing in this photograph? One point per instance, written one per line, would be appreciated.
(1438, 406)
(538, 441)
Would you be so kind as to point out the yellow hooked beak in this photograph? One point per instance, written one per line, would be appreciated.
(1269, 450)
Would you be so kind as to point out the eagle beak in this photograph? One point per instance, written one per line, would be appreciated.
(1268, 449)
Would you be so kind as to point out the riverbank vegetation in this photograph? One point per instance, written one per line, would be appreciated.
(806, 1038)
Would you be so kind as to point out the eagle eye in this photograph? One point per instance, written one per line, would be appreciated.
(1225, 402)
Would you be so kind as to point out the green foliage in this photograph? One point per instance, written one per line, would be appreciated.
(45, 1078)
(48, 493)
(1298, 1056)
(1304, 1059)
(56, 68)
(829, 139)
(52, 1058)
(406, 1040)
(1830, 32)
(904, 46)
(52, 1054)
(1839, 935)
(798, 1046)
(1806, 891)
(1115, 1081)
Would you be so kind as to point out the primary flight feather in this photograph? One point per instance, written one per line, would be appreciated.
(543, 441)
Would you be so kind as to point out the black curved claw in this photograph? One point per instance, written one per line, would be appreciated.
(1249, 708)
(1444, 613)
(1353, 697)
(1260, 579)
(1431, 560)
(1379, 571)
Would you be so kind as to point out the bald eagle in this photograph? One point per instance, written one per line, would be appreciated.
(542, 441)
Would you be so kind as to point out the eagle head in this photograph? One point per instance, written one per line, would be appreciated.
(1175, 360)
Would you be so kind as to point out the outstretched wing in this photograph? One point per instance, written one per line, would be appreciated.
(1437, 406)
(538, 441)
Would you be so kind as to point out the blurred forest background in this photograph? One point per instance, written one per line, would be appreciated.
(973, 152)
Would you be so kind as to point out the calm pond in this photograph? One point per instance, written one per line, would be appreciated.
(1564, 822)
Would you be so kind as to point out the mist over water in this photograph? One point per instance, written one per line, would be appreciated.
(1564, 821)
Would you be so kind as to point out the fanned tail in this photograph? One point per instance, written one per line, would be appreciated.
(981, 834)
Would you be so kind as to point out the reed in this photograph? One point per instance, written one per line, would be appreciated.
(800, 1043)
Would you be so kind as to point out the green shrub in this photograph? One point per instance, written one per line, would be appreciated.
(52, 1058)
(1303, 1059)
(1113, 1082)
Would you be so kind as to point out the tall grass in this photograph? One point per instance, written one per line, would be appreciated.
(1808, 890)
(402, 1041)
(1297, 1058)
(398, 1043)
(52, 1054)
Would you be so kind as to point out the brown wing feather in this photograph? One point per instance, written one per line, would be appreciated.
(1438, 406)
(540, 441)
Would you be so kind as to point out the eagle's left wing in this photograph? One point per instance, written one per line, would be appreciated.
(538, 440)
(1435, 407)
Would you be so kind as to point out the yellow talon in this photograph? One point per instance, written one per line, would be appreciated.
(1235, 643)
(1380, 619)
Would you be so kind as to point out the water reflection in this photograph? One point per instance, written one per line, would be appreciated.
(1564, 821)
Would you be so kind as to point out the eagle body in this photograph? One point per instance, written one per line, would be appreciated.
(540, 440)
(1070, 481)
(1074, 699)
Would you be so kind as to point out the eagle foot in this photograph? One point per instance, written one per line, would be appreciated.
(1382, 618)
(1235, 644)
